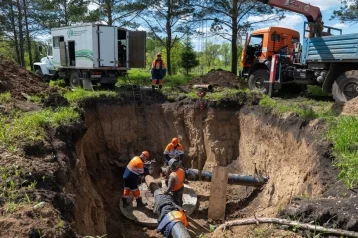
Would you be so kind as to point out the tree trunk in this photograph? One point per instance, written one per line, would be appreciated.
(12, 16)
(234, 37)
(169, 38)
(28, 36)
(109, 13)
(21, 34)
(65, 12)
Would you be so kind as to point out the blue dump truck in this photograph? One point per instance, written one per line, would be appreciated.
(273, 58)
(334, 61)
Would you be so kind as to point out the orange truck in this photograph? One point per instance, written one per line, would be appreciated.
(274, 59)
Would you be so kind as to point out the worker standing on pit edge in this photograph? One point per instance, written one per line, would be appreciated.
(158, 71)
(176, 182)
(135, 168)
(174, 150)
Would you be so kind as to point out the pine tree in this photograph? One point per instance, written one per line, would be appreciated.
(348, 12)
(188, 58)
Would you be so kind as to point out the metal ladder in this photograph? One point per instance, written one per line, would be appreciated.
(137, 95)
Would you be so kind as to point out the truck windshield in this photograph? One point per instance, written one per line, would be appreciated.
(256, 40)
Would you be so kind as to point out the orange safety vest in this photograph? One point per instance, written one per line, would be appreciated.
(178, 216)
(136, 165)
(179, 176)
(159, 64)
(172, 150)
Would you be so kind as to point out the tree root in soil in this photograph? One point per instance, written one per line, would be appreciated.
(279, 221)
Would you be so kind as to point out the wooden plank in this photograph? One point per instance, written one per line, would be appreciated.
(217, 199)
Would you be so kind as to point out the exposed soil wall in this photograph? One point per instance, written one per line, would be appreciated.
(251, 139)
(290, 152)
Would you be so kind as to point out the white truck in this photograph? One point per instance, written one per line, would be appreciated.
(92, 53)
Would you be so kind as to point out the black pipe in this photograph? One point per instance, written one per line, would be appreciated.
(178, 230)
(193, 174)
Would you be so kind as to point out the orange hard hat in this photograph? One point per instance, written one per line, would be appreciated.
(175, 141)
(146, 153)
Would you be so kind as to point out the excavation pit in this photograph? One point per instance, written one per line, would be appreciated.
(248, 139)
(145, 216)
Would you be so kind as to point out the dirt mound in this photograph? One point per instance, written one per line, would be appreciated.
(56, 100)
(41, 220)
(18, 80)
(220, 78)
(351, 107)
(332, 212)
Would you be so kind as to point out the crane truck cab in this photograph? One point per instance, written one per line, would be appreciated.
(260, 46)
(273, 59)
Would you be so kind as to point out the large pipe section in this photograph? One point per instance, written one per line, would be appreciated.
(178, 230)
(208, 87)
(193, 174)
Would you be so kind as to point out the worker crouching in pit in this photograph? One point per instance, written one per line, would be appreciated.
(176, 181)
(135, 168)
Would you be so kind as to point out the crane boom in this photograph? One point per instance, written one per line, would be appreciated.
(312, 13)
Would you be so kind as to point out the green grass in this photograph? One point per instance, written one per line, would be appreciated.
(343, 132)
(29, 127)
(5, 97)
(216, 95)
(11, 180)
(176, 80)
(35, 98)
(58, 83)
(316, 91)
(308, 109)
(137, 76)
(142, 77)
(79, 94)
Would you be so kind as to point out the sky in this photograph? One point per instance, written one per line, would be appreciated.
(292, 20)
(295, 21)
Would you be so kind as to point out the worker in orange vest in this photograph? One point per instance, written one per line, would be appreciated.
(176, 182)
(135, 168)
(158, 71)
(174, 150)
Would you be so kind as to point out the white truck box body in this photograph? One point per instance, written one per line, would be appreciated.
(95, 46)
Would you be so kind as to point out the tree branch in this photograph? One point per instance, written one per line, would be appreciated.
(279, 221)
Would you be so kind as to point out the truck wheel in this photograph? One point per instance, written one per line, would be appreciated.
(256, 80)
(75, 80)
(345, 87)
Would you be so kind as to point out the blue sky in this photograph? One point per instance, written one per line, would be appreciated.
(292, 20)
(295, 21)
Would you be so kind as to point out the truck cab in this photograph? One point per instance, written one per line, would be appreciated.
(46, 68)
(262, 44)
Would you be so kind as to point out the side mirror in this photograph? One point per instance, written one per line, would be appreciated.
(40, 49)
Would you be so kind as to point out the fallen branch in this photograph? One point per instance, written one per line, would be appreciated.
(279, 221)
